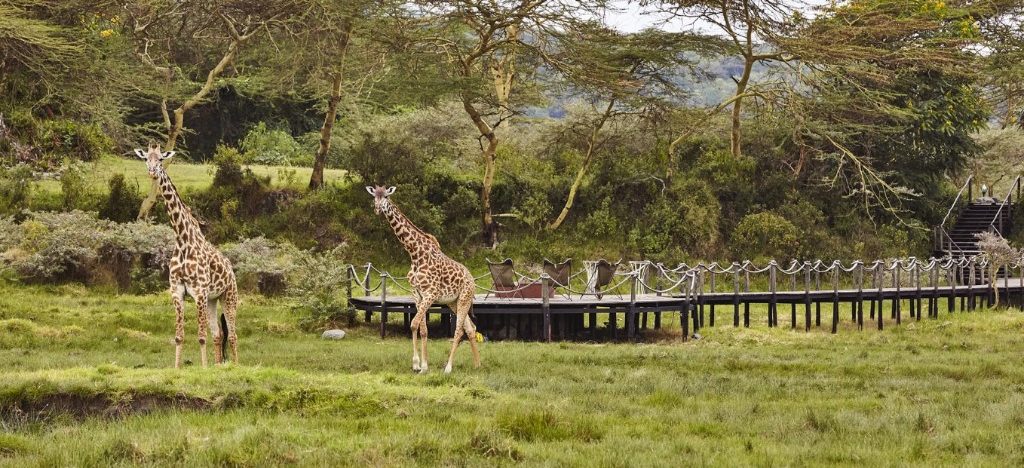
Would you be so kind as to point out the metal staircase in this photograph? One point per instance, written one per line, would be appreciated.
(957, 237)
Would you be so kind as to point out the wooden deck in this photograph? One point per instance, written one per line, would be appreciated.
(562, 317)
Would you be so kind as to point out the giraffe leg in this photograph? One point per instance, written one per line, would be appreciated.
(418, 327)
(466, 305)
(459, 331)
(215, 330)
(178, 298)
(415, 328)
(201, 304)
(230, 316)
(471, 331)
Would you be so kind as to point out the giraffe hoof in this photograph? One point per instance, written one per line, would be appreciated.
(423, 370)
(448, 369)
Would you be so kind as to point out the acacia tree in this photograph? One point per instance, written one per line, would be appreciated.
(626, 77)
(335, 51)
(176, 41)
(486, 48)
(751, 29)
(885, 98)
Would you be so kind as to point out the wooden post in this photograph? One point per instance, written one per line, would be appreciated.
(880, 281)
(684, 313)
(383, 303)
(746, 304)
(545, 306)
(835, 297)
(366, 288)
(792, 305)
(951, 280)
(631, 314)
(817, 303)
(772, 319)
(736, 295)
(859, 272)
(711, 314)
(700, 300)
(917, 292)
(896, 312)
(807, 297)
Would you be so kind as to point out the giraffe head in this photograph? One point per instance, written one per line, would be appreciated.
(380, 197)
(153, 158)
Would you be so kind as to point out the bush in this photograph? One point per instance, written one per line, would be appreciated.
(765, 235)
(263, 145)
(122, 200)
(15, 188)
(77, 246)
(260, 261)
(74, 187)
(319, 289)
(67, 138)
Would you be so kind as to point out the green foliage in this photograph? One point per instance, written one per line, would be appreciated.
(766, 235)
(319, 288)
(258, 256)
(264, 145)
(71, 139)
(74, 187)
(122, 202)
(15, 188)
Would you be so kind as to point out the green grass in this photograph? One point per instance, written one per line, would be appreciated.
(185, 176)
(86, 382)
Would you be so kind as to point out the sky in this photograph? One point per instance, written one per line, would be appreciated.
(629, 17)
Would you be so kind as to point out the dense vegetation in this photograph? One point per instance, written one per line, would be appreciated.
(529, 128)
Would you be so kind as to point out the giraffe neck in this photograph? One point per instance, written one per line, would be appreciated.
(185, 225)
(416, 242)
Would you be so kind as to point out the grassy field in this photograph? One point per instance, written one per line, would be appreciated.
(86, 382)
(186, 176)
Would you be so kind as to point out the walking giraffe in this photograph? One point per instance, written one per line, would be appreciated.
(196, 268)
(434, 277)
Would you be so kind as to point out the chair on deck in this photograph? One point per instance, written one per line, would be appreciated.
(599, 275)
(503, 276)
(559, 274)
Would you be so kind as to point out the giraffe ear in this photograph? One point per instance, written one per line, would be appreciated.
(141, 154)
(167, 155)
(370, 190)
(390, 191)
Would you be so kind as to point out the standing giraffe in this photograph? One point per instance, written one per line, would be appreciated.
(198, 268)
(434, 277)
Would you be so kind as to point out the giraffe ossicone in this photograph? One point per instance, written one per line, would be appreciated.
(196, 268)
(435, 279)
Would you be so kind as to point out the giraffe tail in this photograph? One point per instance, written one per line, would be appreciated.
(223, 335)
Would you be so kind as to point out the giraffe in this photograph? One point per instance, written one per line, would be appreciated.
(196, 268)
(435, 278)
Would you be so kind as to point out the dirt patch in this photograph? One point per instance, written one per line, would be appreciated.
(76, 406)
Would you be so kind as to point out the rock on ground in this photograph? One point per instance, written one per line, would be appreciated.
(333, 334)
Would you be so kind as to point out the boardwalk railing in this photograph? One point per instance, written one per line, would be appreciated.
(698, 291)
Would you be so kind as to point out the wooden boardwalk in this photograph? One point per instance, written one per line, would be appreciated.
(562, 317)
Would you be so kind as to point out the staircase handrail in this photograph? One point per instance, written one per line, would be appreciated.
(941, 229)
(1006, 201)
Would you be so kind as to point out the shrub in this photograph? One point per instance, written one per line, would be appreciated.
(15, 188)
(263, 145)
(123, 200)
(58, 246)
(259, 260)
(74, 187)
(68, 138)
(765, 235)
(319, 289)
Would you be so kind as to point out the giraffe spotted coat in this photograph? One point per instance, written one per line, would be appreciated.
(435, 279)
(198, 269)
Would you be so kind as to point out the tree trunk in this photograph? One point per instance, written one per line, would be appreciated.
(489, 153)
(179, 115)
(741, 87)
(316, 180)
(587, 159)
